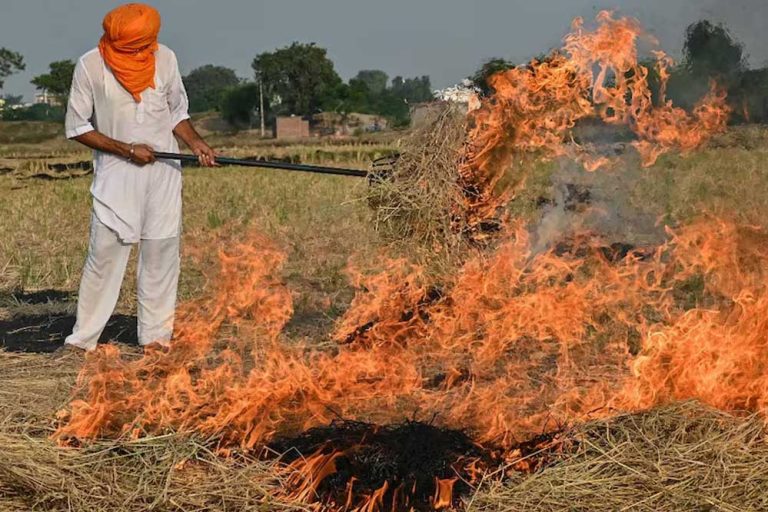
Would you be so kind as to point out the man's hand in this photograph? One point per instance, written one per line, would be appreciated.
(205, 154)
(142, 154)
(186, 132)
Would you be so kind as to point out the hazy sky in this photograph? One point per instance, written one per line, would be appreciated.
(445, 39)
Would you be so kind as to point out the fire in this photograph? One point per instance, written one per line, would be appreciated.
(516, 343)
(596, 74)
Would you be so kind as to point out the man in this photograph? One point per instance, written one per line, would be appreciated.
(127, 101)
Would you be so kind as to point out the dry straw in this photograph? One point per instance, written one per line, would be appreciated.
(419, 203)
(683, 457)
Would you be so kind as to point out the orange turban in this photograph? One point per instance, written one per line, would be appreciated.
(129, 44)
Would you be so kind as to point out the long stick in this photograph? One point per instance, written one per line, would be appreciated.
(269, 164)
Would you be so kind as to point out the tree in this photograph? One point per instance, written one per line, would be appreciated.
(58, 80)
(239, 104)
(37, 112)
(11, 100)
(206, 86)
(489, 67)
(374, 79)
(412, 90)
(710, 51)
(10, 62)
(300, 75)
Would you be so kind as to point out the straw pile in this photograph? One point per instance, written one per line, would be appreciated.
(419, 202)
(681, 457)
(167, 472)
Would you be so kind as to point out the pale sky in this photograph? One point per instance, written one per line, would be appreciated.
(445, 39)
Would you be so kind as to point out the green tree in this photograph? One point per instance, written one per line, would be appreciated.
(206, 86)
(58, 80)
(11, 100)
(38, 112)
(412, 90)
(10, 62)
(489, 67)
(393, 107)
(749, 98)
(299, 77)
(710, 51)
(374, 79)
(239, 105)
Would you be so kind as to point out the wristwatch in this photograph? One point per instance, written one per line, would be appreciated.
(131, 153)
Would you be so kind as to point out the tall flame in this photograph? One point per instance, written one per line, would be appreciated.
(596, 74)
(517, 344)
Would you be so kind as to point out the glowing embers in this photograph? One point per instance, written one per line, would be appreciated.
(353, 466)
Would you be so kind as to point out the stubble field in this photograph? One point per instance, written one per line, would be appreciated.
(682, 457)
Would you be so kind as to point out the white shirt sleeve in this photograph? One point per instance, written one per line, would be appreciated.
(80, 106)
(177, 95)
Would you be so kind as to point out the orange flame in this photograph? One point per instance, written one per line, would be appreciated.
(595, 75)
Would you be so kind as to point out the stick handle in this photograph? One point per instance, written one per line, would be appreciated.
(269, 164)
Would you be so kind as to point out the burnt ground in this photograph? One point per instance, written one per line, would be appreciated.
(406, 456)
(39, 321)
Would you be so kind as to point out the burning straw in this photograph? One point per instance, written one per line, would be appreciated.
(679, 457)
(456, 174)
(515, 343)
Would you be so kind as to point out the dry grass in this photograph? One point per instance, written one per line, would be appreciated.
(168, 472)
(157, 473)
(730, 177)
(44, 229)
(684, 457)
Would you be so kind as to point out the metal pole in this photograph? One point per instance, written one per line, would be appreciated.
(269, 164)
(261, 105)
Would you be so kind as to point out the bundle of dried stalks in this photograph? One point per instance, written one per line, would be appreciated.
(158, 473)
(420, 202)
(167, 472)
(681, 457)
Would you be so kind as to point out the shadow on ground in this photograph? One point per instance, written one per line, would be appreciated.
(46, 333)
(40, 321)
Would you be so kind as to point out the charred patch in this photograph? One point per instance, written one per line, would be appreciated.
(577, 197)
(36, 297)
(85, 165)
(409, 466)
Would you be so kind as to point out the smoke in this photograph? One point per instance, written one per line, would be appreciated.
(599, 203)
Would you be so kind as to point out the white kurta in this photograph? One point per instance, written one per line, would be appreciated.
(135, 202)
(131, 203)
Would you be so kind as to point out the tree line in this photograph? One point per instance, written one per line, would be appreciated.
(300, 79)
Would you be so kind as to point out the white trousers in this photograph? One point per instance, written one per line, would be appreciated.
(157, 283)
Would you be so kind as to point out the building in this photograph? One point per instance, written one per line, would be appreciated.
(46, 98)
(292, 127)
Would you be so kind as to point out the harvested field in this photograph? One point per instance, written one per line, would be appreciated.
(682, 457)
(486, 328)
